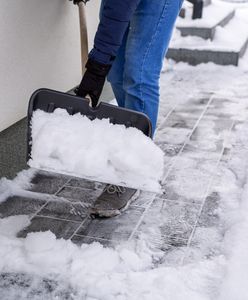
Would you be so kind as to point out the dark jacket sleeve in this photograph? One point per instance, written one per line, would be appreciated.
(115, 18)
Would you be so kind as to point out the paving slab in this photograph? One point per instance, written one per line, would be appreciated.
(179, 185)
(209, 137)
(61, 228)
(17, 205)
(85, 184)
(14, 286)
(169, 149)
(48, 183)
(174, 223)
(209, 214)
(143, 200)
(64, 211)
(75, 194)
(80, 239)
(118, 228)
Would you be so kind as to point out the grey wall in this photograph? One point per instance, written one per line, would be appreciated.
(39, 47)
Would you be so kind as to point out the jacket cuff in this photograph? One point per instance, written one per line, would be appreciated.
(97, 68)
(101, 57)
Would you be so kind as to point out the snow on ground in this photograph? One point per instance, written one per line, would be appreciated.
(228, 38)
(231, 37)
(213, 12)
(81, 147)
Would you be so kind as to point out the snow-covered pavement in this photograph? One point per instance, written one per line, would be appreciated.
(188, 243)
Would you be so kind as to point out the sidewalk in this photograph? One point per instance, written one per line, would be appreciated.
(201, 110)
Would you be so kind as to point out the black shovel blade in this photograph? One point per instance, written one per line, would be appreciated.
(48, 100)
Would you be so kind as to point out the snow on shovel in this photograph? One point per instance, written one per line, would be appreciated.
(88, 145)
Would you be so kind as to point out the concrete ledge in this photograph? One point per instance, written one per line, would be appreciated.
(205, 33)
(202, 30)
(195, 57)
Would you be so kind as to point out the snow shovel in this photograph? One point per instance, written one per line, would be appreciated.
(48, 100)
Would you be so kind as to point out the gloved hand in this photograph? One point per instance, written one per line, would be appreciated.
(93, 81)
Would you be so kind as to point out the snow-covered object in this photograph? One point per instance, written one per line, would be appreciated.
(229, 38)
(96, 150)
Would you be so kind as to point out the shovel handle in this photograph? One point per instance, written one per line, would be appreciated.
(83, 33)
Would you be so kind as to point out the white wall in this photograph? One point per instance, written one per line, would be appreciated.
(39, 47)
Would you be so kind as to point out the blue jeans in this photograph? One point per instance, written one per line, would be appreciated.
(135, 73)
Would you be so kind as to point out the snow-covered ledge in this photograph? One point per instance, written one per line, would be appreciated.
(39, 48)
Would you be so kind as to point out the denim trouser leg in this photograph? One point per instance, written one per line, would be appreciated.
(135, 73)
(115, 76)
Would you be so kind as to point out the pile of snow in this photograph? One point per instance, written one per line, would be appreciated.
(125, 272)
(17, 186)
(96, 150)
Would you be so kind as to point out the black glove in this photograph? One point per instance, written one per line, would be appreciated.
(93, 81)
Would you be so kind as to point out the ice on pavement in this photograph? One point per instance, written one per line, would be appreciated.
(96, 150)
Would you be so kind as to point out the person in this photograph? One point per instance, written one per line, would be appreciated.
(129, 48)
